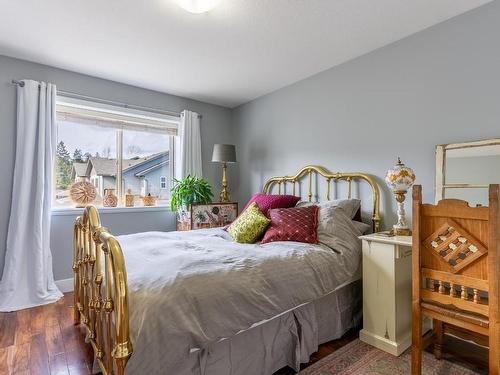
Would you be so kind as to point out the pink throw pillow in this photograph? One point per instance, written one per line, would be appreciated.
(293, 224)
(267, 202)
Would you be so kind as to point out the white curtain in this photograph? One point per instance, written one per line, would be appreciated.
(188, 146)
(27, 279)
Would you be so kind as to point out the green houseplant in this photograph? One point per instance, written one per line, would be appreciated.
(187, 191)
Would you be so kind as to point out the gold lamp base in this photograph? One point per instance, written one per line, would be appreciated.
(400, 232)
(224, 196)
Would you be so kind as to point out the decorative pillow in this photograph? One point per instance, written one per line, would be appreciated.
(266, 202)
(350, 206)
(362, 227)
(339, 233)
(293, 224)
(249, 226)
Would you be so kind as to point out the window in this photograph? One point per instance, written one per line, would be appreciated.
(163, 182)
(115, 149)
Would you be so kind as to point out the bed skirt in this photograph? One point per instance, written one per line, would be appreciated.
(286, 340)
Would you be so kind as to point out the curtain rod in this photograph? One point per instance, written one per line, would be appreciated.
(73, 95)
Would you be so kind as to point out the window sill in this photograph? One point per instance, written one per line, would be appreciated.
(71, 211)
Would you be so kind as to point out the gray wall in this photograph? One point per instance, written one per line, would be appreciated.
(441, 85)
(216, 128)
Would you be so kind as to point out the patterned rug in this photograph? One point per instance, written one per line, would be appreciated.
(360, 358)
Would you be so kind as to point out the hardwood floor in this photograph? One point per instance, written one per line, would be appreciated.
(43, 341)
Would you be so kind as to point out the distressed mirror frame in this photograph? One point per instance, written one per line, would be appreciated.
(441, 150)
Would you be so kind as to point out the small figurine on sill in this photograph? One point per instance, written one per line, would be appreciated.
(129, 198)
(149, 200)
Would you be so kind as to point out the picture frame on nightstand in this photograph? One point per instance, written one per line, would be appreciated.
(213, 215)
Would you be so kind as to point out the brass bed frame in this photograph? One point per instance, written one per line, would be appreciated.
(101, 293)
(312, 171)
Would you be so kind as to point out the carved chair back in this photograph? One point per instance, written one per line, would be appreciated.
(455, 270)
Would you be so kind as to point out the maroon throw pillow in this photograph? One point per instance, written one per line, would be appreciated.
(293, 224)
(266, 202)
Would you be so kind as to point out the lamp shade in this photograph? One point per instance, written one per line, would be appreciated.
(224, 153)
(400, 178)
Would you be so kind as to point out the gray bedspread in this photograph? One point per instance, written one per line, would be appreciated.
(190, 289)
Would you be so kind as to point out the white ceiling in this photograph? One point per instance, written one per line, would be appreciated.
(237, 52)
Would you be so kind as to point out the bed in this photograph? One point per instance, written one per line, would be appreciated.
(198, 303)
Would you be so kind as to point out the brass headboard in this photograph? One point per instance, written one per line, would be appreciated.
(312, 171)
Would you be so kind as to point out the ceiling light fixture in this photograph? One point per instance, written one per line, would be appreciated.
(198, 6)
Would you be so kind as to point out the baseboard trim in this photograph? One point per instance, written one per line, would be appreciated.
(65, 285)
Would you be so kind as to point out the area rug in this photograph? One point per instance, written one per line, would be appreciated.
(360, 358)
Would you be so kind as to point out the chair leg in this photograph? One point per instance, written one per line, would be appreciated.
(494, 351)
(438, 328)
(416, 348)
(416, 360)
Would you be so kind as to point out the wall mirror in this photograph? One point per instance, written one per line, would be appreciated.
(465, 170)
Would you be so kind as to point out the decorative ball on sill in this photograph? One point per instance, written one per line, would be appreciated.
(82, 193)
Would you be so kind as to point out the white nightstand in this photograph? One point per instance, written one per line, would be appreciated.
(387, 292)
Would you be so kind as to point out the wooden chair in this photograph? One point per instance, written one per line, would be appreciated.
(456, 265)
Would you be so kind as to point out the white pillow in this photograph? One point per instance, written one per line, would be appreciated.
(339, 233)
(362, 227)
(351, 206)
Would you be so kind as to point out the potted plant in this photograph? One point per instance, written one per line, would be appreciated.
(187, 191)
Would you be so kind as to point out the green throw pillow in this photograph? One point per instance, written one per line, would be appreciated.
(249, 226)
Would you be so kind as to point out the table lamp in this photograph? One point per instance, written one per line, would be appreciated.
(399, 179)
(224, 154)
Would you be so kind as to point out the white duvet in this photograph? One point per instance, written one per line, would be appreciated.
(189, 289)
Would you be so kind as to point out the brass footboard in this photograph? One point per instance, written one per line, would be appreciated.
(101, 299)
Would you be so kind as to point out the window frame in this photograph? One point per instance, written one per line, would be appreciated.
(171, 125)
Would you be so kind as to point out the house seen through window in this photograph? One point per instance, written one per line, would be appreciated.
(118, 152)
